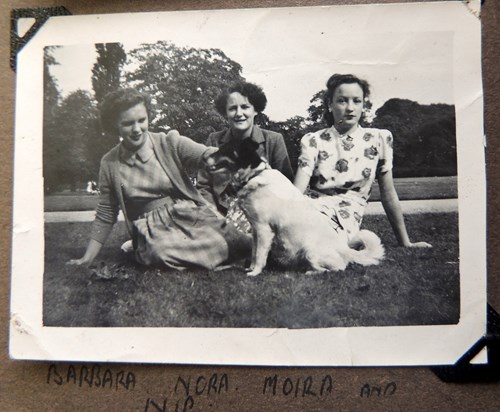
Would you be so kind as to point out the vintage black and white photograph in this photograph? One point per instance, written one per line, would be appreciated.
(289, 186)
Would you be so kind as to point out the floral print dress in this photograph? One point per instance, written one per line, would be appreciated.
(342, 170)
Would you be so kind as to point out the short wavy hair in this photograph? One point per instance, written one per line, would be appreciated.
(118, 101)
(331, 85)
(252, 92)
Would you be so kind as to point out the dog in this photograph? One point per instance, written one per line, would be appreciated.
(281, 215)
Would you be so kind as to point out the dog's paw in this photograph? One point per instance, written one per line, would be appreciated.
(316, 272)
(254, 272)
(127, 247)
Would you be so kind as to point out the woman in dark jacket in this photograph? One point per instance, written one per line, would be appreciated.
(239, 104)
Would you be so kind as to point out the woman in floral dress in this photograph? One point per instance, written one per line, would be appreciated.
(338, 165)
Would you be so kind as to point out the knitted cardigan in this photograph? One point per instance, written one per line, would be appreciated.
(175, 154)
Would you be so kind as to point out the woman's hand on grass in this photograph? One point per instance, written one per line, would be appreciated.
(92, 251)
(418, 244)
(78, 262)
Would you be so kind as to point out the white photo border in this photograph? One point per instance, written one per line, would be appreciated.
(357, 346)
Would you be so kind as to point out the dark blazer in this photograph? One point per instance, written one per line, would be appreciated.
(271, 147)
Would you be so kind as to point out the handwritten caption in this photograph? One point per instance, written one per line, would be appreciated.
(94, 376)
(188, 389)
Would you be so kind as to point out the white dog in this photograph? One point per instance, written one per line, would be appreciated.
(278, 211)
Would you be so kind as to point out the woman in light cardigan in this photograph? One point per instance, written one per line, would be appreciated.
(171, 224)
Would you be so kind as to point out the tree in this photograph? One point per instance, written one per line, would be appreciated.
(424, 135)
(51, 97)
(106, 72)
(66, 147)
(51, 93)
(293, 129)
(316, 109)
(183, 83)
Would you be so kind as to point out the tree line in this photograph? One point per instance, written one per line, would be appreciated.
(183, 83)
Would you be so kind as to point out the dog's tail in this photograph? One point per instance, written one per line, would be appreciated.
(366, 248)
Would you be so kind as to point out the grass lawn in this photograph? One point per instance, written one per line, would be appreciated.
(410, 287)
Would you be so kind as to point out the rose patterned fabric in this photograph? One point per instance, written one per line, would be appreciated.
(343, 169)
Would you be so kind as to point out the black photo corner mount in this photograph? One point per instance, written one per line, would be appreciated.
(41, 15)
(465, 372)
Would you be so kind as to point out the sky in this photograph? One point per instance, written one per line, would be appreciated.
(292, 52)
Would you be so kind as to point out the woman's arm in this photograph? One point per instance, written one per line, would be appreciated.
(93, 249)
(280, 160)
(301, 180)
(106, 216)
(392, 208)
(204, 181)
(306, 161)
(191, 153)
(204, 184)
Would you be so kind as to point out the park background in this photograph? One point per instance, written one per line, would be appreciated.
(409, 288)
(184, 81)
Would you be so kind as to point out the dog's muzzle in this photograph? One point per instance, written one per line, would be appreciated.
(213, 164)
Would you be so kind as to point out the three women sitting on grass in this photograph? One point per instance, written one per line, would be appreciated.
(174, 225)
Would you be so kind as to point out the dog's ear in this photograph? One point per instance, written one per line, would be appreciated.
(228, 149)
(248, 153)
(249, 145)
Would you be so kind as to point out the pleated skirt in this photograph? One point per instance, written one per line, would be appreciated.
(182, 234)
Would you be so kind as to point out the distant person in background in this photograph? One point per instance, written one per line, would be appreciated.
(92, 188)
(239, 104)
(145, 176)
(338, 165)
